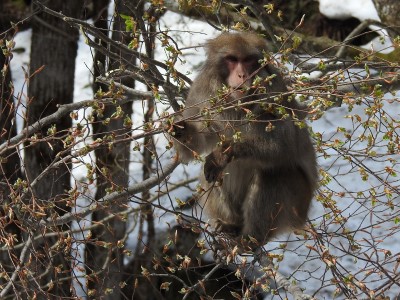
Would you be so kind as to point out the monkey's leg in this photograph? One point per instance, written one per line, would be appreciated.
(278, 200)
(221, 206)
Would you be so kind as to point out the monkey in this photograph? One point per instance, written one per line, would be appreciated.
(260, 172)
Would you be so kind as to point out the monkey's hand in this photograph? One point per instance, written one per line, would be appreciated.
(215, 163)
(176, 129)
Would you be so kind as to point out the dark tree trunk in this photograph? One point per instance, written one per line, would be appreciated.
(10, 166)
(11, 12)
(54, 47)
(390, 19)
(109, 261)
(147, 244)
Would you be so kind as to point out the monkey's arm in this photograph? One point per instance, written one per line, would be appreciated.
(190, 141)
(258, 150)
(215, 162)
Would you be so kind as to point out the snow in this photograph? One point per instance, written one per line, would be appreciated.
(20, 65)
(360, 215)
(361, 10)
(345, 9)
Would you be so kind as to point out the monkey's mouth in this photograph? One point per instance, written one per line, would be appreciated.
(243, 93)
(238, 94)
(239, 91)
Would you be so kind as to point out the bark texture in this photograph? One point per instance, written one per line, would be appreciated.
(105, 264)
(53, 51)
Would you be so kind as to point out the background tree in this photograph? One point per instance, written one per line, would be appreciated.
(55, 86)
(112, 165)
(10, 162)
(101, 199)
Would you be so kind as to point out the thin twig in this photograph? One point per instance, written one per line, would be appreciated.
(18, 268)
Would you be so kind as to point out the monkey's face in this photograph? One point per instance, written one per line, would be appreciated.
(240, 70)
(235, 58)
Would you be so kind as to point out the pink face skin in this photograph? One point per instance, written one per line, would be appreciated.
(240, 71)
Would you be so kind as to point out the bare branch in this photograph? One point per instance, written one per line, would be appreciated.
(114, 197)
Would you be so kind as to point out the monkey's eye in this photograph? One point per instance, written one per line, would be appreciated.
(231, 58)
(250, 59)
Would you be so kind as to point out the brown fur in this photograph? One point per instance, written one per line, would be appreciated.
(267, 177)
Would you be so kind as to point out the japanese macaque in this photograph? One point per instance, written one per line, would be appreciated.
(260, 167)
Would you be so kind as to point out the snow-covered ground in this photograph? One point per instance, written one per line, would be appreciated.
(362, 10)
(369, 223)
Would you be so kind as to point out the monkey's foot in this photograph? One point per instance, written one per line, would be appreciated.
(230, 229)
(224, 249)
(220, 252)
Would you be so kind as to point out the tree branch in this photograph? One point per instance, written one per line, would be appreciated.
(115, 196)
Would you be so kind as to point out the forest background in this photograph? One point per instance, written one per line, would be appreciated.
(93, 201)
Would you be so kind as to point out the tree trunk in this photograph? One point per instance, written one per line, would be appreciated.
(54, 47)
(10, 166)
(105, 264)
(389, 11)
(147, 232)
